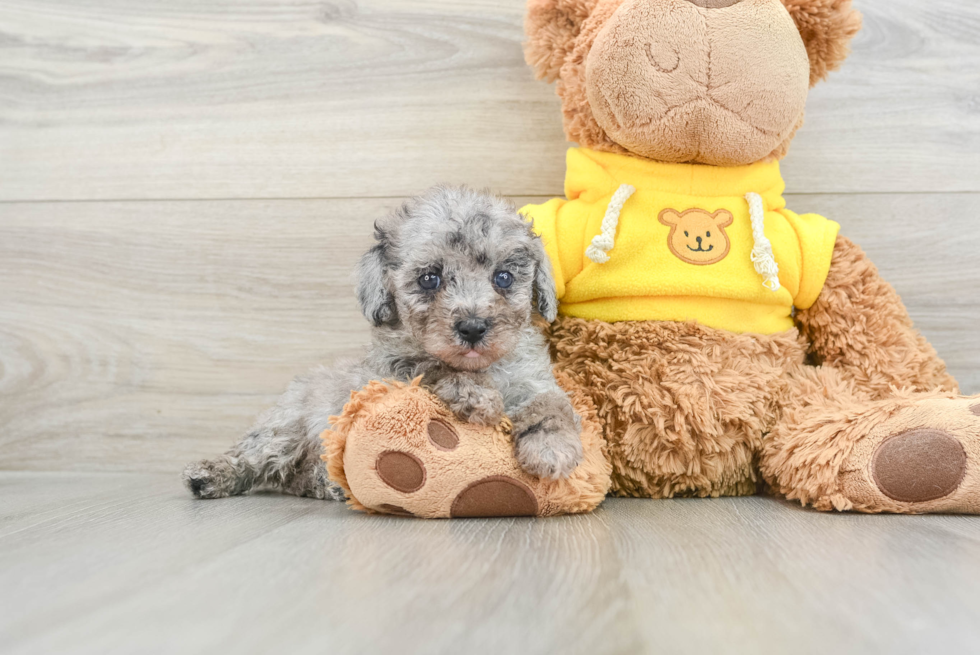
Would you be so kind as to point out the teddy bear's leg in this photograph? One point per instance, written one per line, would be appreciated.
(836, 447)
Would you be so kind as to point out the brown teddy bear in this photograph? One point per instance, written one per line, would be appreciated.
(723, 338)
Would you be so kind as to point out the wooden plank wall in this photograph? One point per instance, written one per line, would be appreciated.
(185, 185)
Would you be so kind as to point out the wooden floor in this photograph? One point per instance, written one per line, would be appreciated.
(127, 563)
(184, 187)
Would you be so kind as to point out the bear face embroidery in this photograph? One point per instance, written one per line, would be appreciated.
(697, 237)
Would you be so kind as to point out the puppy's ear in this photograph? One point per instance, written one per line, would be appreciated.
(545, 293)
(827, 27)
(377, 302)
(551, 27)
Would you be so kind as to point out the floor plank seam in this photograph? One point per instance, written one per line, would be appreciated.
(68, 201)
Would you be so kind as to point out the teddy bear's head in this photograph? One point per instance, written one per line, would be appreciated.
(721, 82)
(696, 236)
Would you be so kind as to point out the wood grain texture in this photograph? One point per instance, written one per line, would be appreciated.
(131, 563)
(142, 335)
(352, 98)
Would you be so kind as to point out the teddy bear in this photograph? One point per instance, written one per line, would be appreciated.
(727, 343)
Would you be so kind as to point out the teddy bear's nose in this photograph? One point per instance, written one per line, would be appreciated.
(714, 4)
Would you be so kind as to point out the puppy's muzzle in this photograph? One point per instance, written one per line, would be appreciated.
(472, 330)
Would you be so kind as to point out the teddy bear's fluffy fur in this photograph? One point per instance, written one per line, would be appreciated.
(686, 407)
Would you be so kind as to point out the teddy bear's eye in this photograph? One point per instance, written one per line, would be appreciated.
(686, 234)
(709, 235)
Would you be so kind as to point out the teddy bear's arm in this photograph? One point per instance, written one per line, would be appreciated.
(860, 325)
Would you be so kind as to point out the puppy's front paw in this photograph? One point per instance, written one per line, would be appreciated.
(469, 400)
(486, 408)
(549, 451)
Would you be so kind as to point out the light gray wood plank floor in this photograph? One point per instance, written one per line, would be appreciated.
(127, 563)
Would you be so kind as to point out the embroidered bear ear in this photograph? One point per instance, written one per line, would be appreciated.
(551, 27)
(827, 27)
(723, 218)
(670, 217)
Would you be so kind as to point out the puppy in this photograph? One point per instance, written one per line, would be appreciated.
(451, 288)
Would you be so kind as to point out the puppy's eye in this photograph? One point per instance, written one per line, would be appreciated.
(686, 234)
(503, 279)
(709, 235)
(430, 281)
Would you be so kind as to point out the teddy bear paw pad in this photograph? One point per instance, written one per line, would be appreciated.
(401, 471)
(442, 435)
(919, 465)
(497, 495)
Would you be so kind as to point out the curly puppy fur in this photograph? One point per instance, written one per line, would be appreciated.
(458, 242)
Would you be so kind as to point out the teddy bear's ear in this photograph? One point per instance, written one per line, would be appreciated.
(670, 217)
(723, 218)
(827, 27)
(551, 27)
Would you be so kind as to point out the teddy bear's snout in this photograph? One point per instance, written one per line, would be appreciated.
(726, 83)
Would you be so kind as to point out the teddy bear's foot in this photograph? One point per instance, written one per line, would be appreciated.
(397, 450)
(924, 459)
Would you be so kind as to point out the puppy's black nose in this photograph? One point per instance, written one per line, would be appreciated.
(699, 241)
(472, 329)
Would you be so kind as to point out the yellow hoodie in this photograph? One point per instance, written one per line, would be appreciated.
(639, 240)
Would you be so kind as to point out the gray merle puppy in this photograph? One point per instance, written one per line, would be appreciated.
(451, 289)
